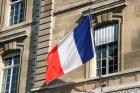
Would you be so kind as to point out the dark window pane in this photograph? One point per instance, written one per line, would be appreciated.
(9, 72)
(21, 17)
(15, 71)
(7, 86)
(14, 78)
(13, 0)
(16, 6)
(16, 12)
(21, 10)
(21, 20)
(103, 71)
(99, 55)
(104, 63)
(6, 92)
(22, 5)
(12, 7)
(8, 79)
(115, 51)
(104, 54)
(116, 68)
(111, 63)
(111, 69)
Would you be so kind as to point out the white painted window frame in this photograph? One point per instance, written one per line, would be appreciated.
(12, 66)
(97, 42)
(18, 19)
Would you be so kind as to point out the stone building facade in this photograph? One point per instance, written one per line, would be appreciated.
(29, 29)
(62, 16)
(16, 22)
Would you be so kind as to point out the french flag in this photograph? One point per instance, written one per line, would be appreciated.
(74, 50)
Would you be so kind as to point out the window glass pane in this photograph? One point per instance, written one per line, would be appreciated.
(15, 71)
(115, 68)
(104, 63)
(103, 71)
(17, 12)
(111, 69)
(7, 86)
(8, 79)
(6, 92)
(22, 5)
(106, 48)
(13, 0)
(10, 73)
(16, 6)
(8, 61)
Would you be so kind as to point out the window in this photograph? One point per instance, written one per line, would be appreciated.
(17, 10)
(10, 73)
(106, 38)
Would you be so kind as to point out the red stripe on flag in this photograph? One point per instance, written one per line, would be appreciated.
(54, 69)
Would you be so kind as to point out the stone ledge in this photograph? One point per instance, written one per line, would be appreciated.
(16, 27)
(89, 79)
(106, 6)
(7, 37)
(115, 89)
(93, 3)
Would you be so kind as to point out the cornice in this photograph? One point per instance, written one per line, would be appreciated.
(104, 7)
(10, 36)
(93, 4)
(14, 32)
(15, 27)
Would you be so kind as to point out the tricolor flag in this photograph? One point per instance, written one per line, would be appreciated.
(74, 50)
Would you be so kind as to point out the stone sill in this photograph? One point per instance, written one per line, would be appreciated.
(16, 26)
(125, 72)
(14, 32)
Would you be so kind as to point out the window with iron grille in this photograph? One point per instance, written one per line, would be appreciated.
(106, 41)
(17, 11)
(10, 73)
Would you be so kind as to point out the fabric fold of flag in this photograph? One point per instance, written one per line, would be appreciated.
(70, 53)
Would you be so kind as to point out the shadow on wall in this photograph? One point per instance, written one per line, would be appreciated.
(136, 41)
(131, 59)
(59, 86)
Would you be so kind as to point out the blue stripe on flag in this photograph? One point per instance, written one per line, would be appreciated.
(83, 40)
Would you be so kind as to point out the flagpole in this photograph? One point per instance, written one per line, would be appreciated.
(98, 64)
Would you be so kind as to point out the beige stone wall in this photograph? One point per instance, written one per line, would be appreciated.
(41, 43)
(131, 35)
(65, 17)
(60, 3)
(17, 37)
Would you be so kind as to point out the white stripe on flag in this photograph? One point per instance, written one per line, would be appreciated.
(68, 55)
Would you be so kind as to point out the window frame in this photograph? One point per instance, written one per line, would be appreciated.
(18, 14)
(99, 65)
(12, 66)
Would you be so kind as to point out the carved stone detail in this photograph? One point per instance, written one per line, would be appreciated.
(10, 45)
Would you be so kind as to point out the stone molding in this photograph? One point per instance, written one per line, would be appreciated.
(96, 5)
(125, 72)
(8, 37)
(106, 6)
